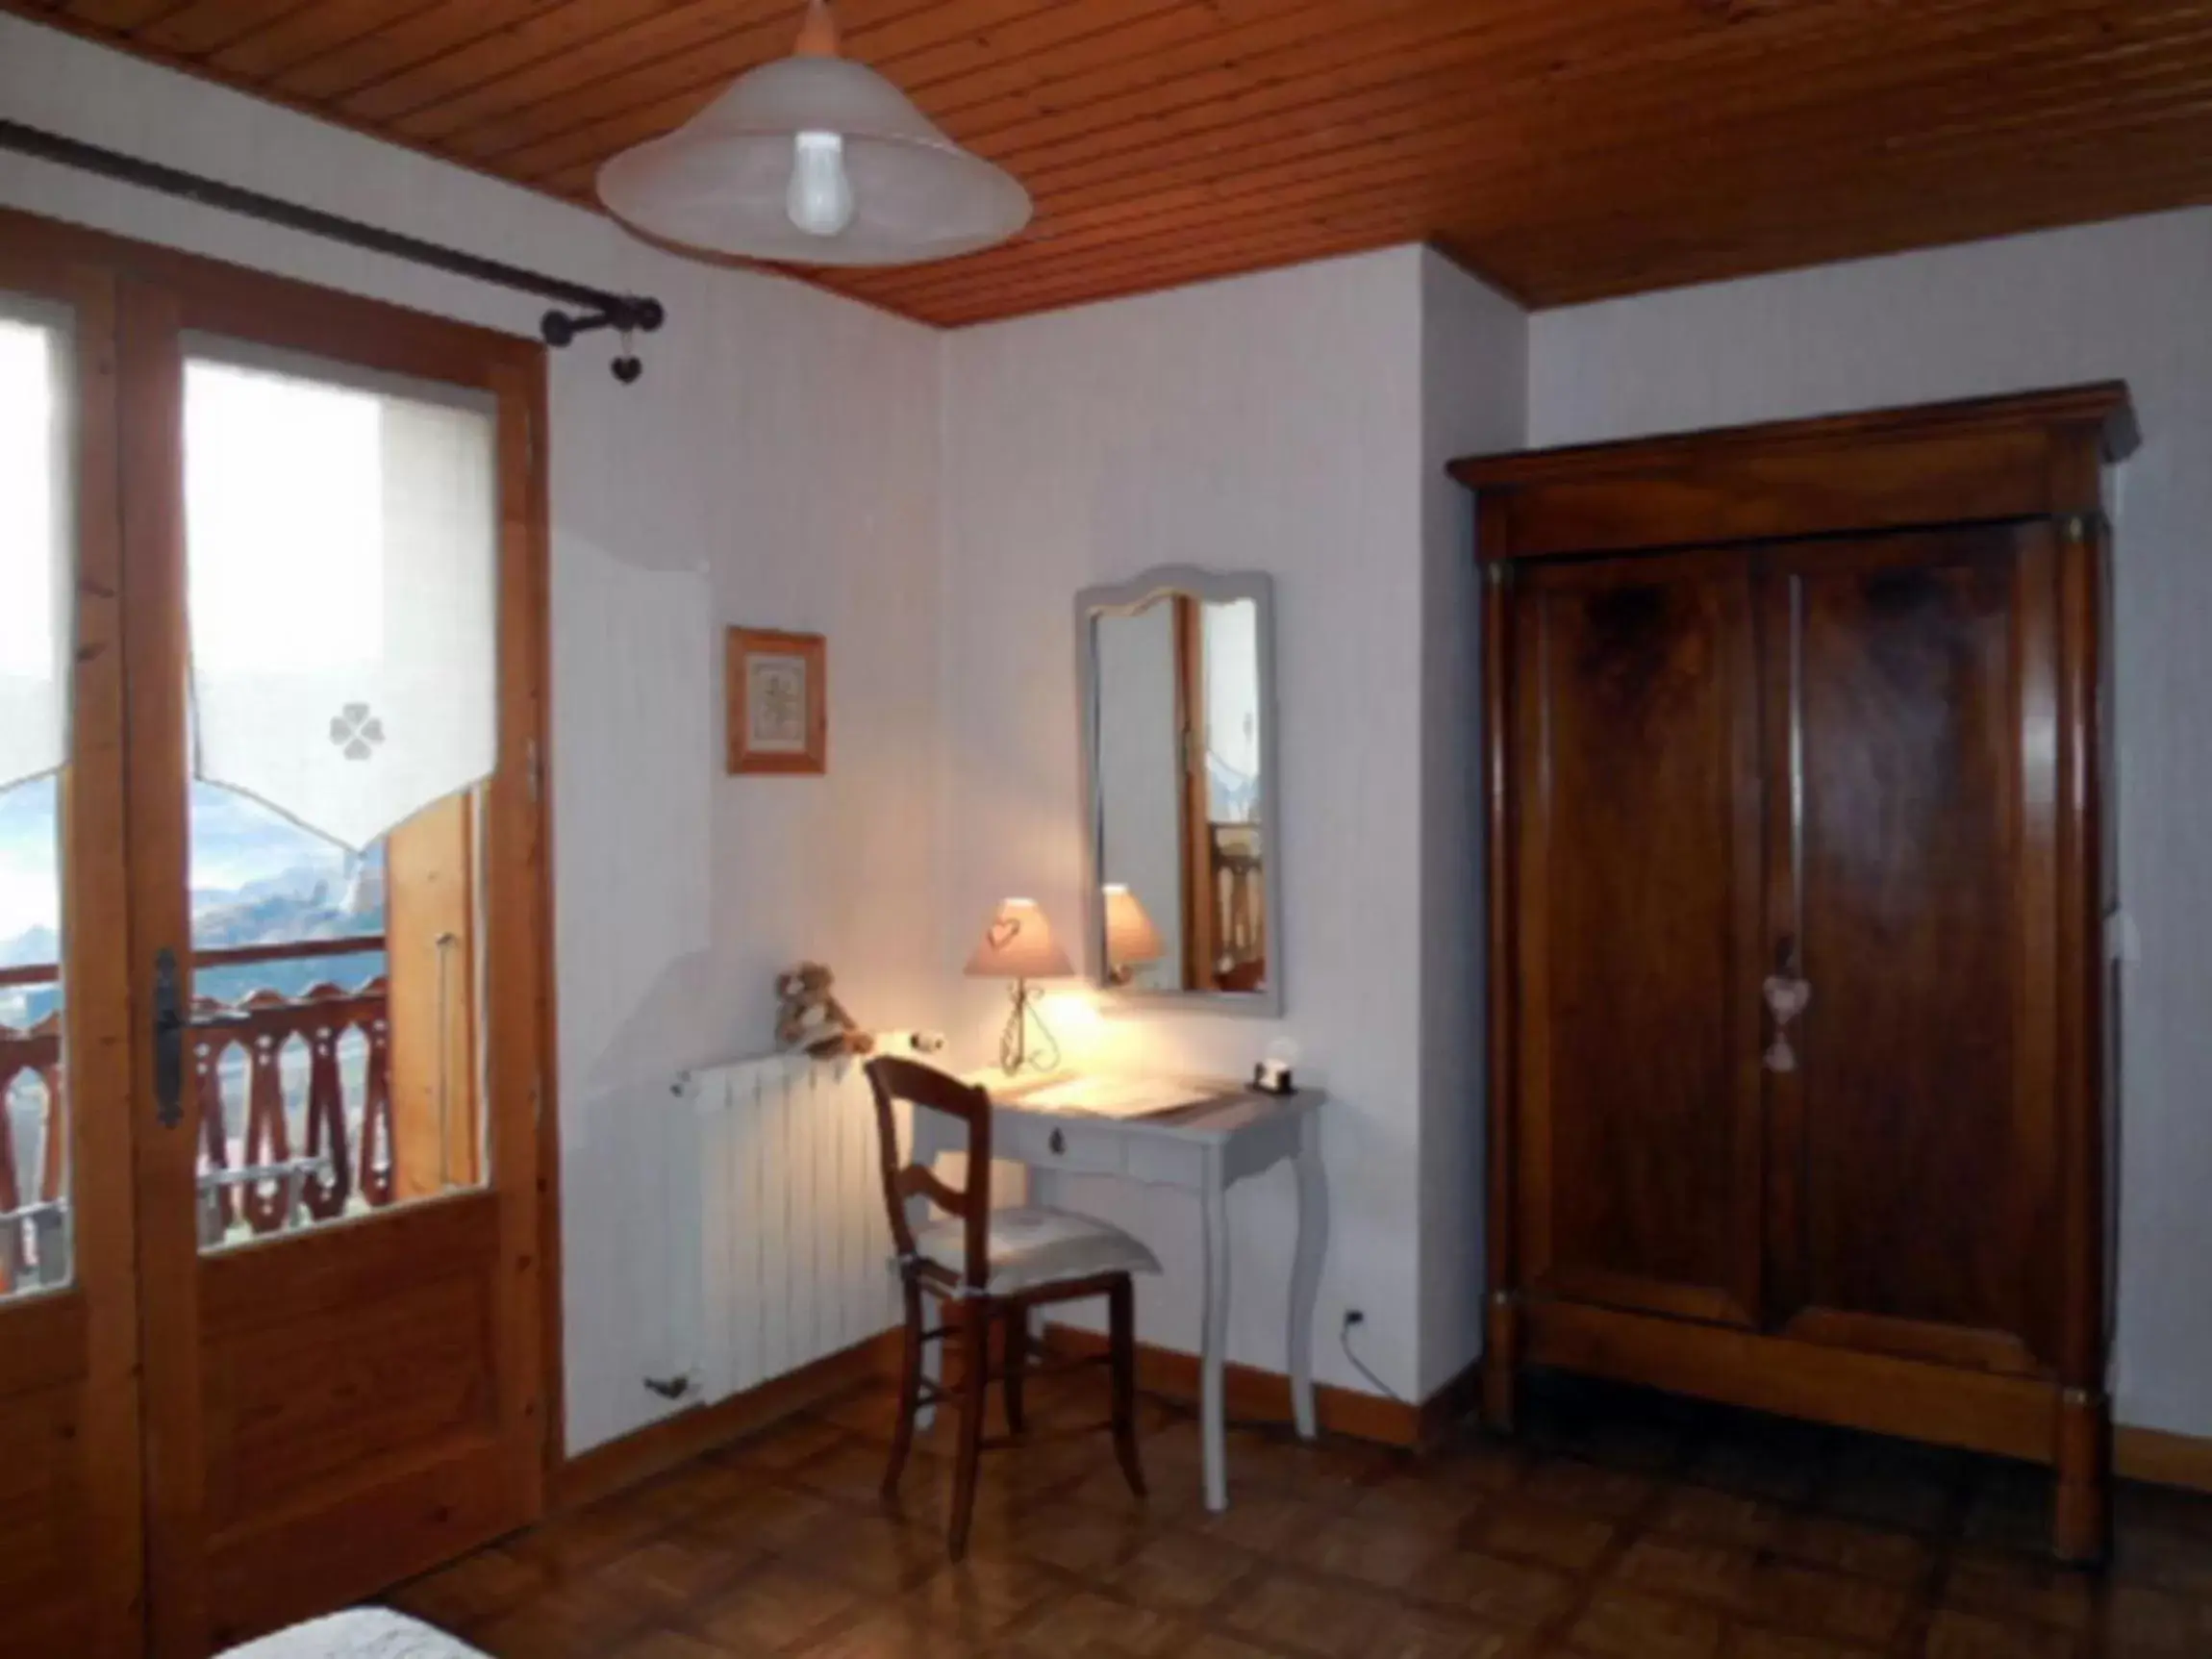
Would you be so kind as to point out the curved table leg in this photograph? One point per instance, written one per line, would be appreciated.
(1306, 1270)
(1212, 1408)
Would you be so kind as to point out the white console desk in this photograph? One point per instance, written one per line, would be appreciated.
(1202, 1135)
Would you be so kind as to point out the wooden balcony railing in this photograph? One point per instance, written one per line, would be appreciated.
(31, 1223)
(343, 1157)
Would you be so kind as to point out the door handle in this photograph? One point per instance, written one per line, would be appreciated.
(169, 1025)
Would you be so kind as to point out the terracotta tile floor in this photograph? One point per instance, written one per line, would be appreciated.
(1619, 1526)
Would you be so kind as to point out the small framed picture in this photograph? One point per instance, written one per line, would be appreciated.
(778, 692)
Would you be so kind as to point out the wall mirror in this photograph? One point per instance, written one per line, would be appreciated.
(1183, 891)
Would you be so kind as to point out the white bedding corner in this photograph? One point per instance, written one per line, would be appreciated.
(365, 1633)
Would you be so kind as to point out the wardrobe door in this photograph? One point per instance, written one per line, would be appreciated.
(1916, 712)
(1638, 935)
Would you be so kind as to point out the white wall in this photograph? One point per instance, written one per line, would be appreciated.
(1269, 423)
(2131, 299)
(1474, 374)
(777, 465)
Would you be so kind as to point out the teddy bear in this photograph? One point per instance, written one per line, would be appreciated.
(810, 1019)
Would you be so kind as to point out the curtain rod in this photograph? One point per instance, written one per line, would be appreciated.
(599, 307)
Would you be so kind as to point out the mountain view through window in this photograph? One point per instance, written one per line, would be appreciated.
(256, 878)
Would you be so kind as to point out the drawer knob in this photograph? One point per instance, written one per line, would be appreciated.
(1058, 1144)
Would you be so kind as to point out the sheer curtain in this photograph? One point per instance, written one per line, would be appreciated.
(37, 569)
(343, 536)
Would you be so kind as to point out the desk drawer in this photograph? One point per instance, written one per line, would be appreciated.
(1165, 1161)
(1077, 1148)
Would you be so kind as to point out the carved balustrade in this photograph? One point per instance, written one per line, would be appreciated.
(264, 1166)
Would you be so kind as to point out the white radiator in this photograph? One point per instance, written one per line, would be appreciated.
(783, 1253)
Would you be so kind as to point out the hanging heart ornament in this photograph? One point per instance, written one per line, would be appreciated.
(1787, 998)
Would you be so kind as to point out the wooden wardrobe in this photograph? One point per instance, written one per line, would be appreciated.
(1796, 750)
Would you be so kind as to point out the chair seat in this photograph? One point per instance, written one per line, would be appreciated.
(365, 1633)
(1035, 1246)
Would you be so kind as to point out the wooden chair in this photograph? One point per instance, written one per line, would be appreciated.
(992, 1265)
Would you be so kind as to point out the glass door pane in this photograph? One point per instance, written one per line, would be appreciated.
(34, 1135)
(290, 1062)
(34, 654)
(340, 541)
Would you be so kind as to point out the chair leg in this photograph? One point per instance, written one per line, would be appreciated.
(1121, 1307)
(1017, 1364)
(975, 1397)
(909, 1391)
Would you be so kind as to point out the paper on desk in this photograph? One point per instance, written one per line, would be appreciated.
(1120, 1096)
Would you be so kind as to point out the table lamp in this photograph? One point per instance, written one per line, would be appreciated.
(1131, 938)
(1018, 944)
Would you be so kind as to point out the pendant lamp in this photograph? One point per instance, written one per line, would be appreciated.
(813, 160)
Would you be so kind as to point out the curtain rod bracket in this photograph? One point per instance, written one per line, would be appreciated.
(600, 308)
(642, 316)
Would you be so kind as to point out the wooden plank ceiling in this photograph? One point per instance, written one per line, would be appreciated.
(1566, 149)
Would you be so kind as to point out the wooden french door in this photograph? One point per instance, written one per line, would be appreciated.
(70, 1562)
(1639, 933)
(301, 1352)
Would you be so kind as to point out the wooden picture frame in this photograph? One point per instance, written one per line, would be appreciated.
(777, 686)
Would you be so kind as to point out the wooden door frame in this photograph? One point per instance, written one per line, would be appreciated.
(223, 298)
(1202, 905)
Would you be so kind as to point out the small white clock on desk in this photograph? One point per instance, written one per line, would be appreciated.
(1201, 1134)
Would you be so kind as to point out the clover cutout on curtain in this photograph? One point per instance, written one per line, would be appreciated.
(342, 534)
(37, 579)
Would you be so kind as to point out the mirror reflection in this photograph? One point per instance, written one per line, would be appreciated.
(1178, 774)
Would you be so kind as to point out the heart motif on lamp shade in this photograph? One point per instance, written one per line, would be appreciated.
(1017, 944)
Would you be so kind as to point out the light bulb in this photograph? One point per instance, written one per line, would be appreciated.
(819, 199)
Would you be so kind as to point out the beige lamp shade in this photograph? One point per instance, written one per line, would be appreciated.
(1017, 944)
(1130, 935)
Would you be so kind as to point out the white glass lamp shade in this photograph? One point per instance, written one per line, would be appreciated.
(1130, 935)
(752, 171)
(1017, 944)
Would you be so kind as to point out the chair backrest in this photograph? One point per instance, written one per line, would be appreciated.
(929, 1090)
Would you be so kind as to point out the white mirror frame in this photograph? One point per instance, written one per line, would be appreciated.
(1124, 599)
